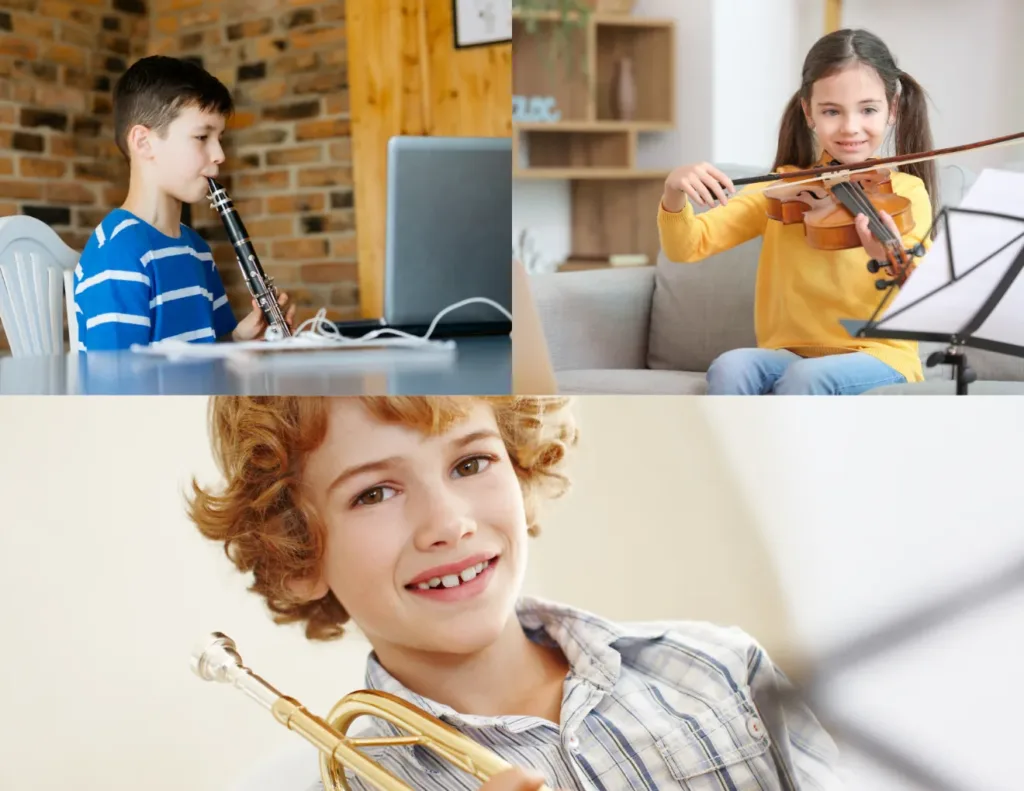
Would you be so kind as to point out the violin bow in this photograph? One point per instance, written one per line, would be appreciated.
(807, 176)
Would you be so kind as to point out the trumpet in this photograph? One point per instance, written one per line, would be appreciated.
(219, 660)
(260, 285)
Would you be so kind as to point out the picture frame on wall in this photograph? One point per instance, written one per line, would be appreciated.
(481, 23)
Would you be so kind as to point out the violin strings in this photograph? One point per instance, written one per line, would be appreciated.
(863, 202)
(880, 229)
(857, 200)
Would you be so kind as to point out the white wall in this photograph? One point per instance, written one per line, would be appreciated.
(544, 209)
(739, 61)
(756, 70)
(873, 509)
(107, 586)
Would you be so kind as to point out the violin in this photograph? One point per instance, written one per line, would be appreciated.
(828, 208)
(828, 199)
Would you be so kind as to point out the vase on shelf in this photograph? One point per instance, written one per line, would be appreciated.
(624, 98)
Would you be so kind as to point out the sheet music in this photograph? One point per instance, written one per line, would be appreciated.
(946, 305)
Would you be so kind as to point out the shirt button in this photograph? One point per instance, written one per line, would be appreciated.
(755, 727)
(574, 743)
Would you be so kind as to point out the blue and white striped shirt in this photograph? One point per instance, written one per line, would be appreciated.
(648, 706)
(134, 284)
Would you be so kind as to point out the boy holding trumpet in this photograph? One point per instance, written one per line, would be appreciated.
(411, 517)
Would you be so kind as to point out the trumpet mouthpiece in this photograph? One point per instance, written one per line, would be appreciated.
(215, 658)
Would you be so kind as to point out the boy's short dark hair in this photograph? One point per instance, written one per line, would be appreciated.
(156, 89)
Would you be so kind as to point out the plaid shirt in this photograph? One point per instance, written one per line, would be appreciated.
(665, 705)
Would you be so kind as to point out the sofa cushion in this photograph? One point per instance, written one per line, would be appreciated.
(631, 382)
(704, 309)
(596, 318)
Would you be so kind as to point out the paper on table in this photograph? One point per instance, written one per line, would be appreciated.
(300, 343)
(983, 248)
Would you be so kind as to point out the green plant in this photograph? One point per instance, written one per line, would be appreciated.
(571, 26)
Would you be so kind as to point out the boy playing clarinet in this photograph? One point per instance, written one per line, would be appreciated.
(144, 276)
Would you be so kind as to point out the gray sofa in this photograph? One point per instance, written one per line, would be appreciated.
(656, 329)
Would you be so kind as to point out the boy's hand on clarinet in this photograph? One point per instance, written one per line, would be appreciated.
(874, 248)
(514, 779)
(253, 326)
(703, 183)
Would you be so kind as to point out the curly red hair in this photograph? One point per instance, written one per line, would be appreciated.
(266, 522)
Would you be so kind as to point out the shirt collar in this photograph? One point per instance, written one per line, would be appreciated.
(587, 640)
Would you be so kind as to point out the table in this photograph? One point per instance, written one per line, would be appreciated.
(478, 366)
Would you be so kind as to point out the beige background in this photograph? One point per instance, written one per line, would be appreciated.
(107, 586)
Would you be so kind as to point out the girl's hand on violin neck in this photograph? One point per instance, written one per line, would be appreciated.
(874, 248)
(703, 183)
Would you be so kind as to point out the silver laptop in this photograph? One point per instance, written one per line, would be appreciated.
(449, 232)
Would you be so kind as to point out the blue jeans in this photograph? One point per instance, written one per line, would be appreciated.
(781, 372)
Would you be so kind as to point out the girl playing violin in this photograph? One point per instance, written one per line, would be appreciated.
(851, 96)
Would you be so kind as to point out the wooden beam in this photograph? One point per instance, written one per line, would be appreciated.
(407, 78)
(833, 15)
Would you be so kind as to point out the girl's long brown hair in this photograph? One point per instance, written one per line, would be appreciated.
(835, 52)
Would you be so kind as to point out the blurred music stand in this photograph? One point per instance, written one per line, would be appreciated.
(809, 690)
(968, 292)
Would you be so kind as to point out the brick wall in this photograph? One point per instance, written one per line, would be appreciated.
(289, 167)
(58, 61)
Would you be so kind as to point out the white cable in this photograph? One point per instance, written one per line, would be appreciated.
(320, 328)
(321, 333)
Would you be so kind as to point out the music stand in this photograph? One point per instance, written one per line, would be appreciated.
(809, 690)
(967, 293)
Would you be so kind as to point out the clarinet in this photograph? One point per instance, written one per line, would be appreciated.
(260, 285)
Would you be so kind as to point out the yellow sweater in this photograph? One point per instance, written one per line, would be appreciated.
(801, 293)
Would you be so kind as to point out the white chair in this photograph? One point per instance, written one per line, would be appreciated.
(35, 267)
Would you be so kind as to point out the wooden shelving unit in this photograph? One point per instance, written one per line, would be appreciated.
(613, 202)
